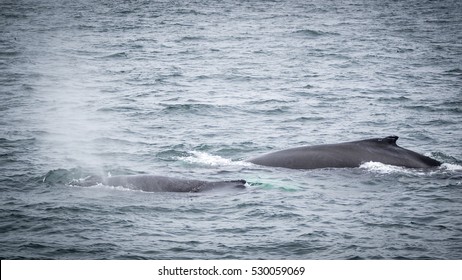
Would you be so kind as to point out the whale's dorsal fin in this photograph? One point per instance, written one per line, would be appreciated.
(390, 140)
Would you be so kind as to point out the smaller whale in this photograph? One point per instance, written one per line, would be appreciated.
(348, 154)
(153, 183)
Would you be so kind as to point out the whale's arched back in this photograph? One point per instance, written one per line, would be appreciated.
(347, 154)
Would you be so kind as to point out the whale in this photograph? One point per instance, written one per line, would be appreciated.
(346, 155)
(155, 183)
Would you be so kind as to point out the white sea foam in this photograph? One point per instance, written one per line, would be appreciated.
(103, 186)
(197, 157)
(382, 168)
(451, 167)
(378, 167)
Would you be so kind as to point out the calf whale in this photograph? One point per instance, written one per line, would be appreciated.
(153, 183)
(348, 154)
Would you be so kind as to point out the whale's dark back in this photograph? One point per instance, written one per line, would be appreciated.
(154, 183)
(348, 154)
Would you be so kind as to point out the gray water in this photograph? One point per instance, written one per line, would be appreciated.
(190, 89)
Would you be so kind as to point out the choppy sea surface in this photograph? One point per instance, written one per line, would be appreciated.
(190, 89)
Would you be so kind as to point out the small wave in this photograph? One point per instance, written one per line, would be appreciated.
(454, 72)
(9, 53)
(197, 157)
(309, 32)
(188, 108)
(190, 12)
(394, 99)
(116, 55)
(190, 38)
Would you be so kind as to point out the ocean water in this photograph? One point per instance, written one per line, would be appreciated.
(190, 89)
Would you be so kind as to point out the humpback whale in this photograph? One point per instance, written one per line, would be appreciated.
(153, 183)
(348, 154)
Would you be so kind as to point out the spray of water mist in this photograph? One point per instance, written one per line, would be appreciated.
(68, 116)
